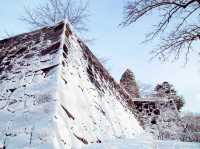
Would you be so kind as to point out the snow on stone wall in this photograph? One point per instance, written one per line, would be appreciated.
(29, 64)
(160, 117)
(55, 94)
(91, 109)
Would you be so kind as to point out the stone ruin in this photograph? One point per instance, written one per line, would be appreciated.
(158, 115)
(55, 94)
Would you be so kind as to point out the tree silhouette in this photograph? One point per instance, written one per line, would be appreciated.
(180, 15)
(57, 10)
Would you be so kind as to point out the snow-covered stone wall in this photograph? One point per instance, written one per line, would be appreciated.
(91, 107)
(28, 81)
(160, 117)
(55, 94)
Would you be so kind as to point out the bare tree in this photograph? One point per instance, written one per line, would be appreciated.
(54, 11)
(168, 91)
(178, 24)
(192, 124)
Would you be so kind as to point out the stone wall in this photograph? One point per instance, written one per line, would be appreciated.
(159, 117)
(55, 94)
(29, 64)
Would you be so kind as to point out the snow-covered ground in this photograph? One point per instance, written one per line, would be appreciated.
(143, 144)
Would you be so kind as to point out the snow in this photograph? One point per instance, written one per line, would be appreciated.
(49, 99)
(44, 104)
(143, 143)
(94, 115)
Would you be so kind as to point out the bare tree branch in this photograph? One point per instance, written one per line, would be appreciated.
(56, 10)
(178, 44)
(179, 14)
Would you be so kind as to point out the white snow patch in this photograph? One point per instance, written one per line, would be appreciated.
(143, 143)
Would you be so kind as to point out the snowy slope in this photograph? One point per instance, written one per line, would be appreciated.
(54, 94)
(90, 110)
(143, 143)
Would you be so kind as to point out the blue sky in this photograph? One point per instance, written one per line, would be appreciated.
(122, 46)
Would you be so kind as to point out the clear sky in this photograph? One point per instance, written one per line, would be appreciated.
(122, 46)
